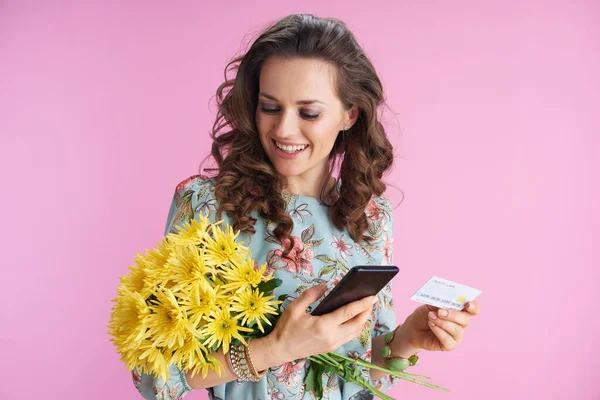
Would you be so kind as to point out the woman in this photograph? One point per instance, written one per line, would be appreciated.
(302, 104)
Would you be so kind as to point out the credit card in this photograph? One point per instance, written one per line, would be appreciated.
(443, 293)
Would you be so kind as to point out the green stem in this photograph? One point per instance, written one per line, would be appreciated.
(337, 360)
(397, 374)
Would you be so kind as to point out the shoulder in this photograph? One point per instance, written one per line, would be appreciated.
(194, 182)
(194, 188)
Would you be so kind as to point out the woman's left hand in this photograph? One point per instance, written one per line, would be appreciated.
(435, 329)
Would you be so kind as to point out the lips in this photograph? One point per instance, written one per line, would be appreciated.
(288, 144)
(285, 154)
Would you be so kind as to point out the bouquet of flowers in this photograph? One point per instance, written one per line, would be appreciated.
(199, 291)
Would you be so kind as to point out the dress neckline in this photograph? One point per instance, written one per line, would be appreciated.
(328, 201)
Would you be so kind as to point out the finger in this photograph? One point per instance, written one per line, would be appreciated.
(308, 297)
(472, 307)
(350, 310)
(461, 318)
(451, 334)
(353, 327)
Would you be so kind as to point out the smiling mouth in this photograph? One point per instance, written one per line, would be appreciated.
(290, 149)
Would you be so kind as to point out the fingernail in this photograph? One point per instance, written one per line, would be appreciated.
(431, 324)
(432, 315)
(443, 313)
(471, 306)
(375, 299)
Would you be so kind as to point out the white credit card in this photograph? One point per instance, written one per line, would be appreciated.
(443, 293)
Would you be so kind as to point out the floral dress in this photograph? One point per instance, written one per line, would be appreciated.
(321, 253)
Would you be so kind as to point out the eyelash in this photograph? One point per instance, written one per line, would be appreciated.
(273, 111)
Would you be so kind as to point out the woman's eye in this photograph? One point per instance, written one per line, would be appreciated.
(275, 110)
(310, 116)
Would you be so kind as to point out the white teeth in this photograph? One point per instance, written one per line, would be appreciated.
(290, 149)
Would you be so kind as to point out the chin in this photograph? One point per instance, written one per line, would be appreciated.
(287, 171)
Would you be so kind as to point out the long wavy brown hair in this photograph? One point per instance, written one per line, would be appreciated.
(245, 178)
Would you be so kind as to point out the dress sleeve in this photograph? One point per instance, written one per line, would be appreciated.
(385, 318)
(182, 209)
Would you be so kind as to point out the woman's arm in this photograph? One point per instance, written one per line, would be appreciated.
(264, 354)
(400, 348)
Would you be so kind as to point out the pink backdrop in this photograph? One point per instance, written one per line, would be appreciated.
(105, 108)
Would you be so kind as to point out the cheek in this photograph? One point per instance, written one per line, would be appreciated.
(323, 136)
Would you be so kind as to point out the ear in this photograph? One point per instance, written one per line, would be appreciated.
(350, 117)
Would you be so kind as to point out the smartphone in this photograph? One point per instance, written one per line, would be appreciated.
(360, 281)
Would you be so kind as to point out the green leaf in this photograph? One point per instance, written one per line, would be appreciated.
(309, 380)
(330, 369)
(268, 286)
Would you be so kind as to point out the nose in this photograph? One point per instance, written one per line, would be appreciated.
(287, 125)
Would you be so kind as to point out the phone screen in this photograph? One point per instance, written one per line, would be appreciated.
(360, 281)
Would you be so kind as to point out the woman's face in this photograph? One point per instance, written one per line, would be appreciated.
(299, 111)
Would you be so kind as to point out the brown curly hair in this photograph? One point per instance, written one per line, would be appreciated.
(245, 179)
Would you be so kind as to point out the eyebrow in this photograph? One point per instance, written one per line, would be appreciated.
(304, 102)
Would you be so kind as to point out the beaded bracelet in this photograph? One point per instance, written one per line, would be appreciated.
(396, 363)
(237, 360)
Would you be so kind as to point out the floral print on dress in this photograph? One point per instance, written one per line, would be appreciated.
(320, 253)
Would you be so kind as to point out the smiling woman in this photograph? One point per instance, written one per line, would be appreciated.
(303, 101)
(291, 127)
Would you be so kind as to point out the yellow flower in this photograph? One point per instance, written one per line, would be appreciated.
(223, 296)
(211, 362)
(223, 248)
(193, 232)
(153, 359)
(129, 320)
(199, 303)
(243, 275)
(253, 306)
(155, 267)
(221, 328)
(187, 267)
(168, 322)
(191, 353)
(158, 256)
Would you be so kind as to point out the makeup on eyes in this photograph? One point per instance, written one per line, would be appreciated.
(270, 109)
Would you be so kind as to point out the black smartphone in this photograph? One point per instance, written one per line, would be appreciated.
(360, 281)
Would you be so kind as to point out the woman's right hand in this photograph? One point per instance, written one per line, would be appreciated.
(299, 334)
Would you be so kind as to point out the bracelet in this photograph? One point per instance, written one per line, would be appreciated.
(396, 363)
(237, 359)
(255, 375)
(230, 365)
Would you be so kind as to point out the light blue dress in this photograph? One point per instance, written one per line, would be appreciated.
(321, 253)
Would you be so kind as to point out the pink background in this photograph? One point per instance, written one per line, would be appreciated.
(105, 108)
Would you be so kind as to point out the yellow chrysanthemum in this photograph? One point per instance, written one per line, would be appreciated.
(159, 254)
(243, 275)
(168, 323)
(222, 296)
(129, 320)
(211, 362)
(155, 263)
(221, 328)
(199, 303)
(193, 232)
(253, 306)
(191, 353)
(187, 267)
(222, 247)
(134, 280)
(153, 359)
